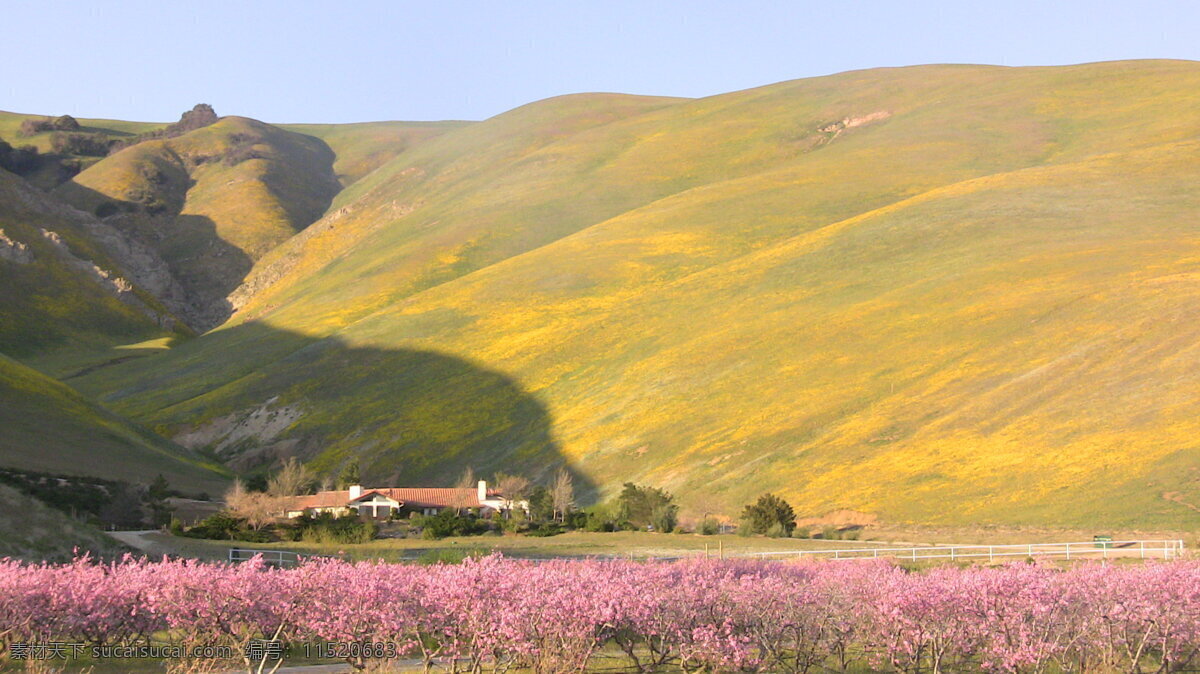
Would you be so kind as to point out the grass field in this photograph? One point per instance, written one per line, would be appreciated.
(50, 428)
(641, 545)
(362, 148)
(941, 295)
(10, 124)
(31, 530)
(55, 301)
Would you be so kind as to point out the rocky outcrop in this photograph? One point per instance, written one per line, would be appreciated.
(230, 435)
(108, 279)
(836, 128)
(132, 263)
(283, 260)
(14, 251)
(143, 266)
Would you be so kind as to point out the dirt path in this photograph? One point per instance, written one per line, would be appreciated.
(138, 541)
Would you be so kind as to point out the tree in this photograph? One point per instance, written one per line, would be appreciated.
(647, 506)
(88, 144)
(159, 489)
(541, 504)
(664, 517)
(124, 508)
(156, 500)
(19, 160)
(513, 488)
(291, 480)
(257, 508)
(349, 475)
(562, 493)
(465, 481)
(767, 512)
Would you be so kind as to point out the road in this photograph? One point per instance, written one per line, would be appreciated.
(138, 541)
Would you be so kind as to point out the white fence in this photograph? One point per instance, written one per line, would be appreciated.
(1159, 549)
(279, 558)
(1153, 549)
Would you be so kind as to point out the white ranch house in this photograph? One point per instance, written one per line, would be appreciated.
(383, 502)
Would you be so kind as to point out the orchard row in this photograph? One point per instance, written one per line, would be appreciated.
(498, 614)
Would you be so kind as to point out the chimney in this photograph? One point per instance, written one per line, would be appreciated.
(482, 488)
(355, 491)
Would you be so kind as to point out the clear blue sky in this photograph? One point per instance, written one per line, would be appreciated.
(304, 61)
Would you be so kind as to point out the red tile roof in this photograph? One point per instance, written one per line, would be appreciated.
(321, 499)
(430, 497)
(413, 497)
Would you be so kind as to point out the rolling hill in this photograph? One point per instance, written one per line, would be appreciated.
(71, 283)
(214, 200)
(211, 201)
(939, 294)
(36, 532)
(105, 278)
(50, 428)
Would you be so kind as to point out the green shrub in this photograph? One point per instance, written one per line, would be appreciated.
(33, 125)
(709, 527)
(642, 506)
(221, 526)
(20, 160)
(601, 517)
(777, 530)
(545, 529)
(87, 144)
(802, 532)
(326, 528)
(769, 510)
(514, 524)
(449, 523)
(663, 518)
(576, 519)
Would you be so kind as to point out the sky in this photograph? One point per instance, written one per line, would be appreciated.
(301, 61)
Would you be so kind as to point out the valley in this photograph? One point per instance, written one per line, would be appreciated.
(929, 296)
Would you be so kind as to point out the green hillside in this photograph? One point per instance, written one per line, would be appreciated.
(63, 290)
(10, 125)
(361, 148)
(32, 530)
(941, 294)
(50, 165)
(211, 201)
(50, 428)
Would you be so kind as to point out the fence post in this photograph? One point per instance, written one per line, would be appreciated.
(991, 554)
(1068, 550)
(1143, 547)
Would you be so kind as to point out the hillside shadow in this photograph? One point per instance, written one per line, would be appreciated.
(206, 267)
(411, 417)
